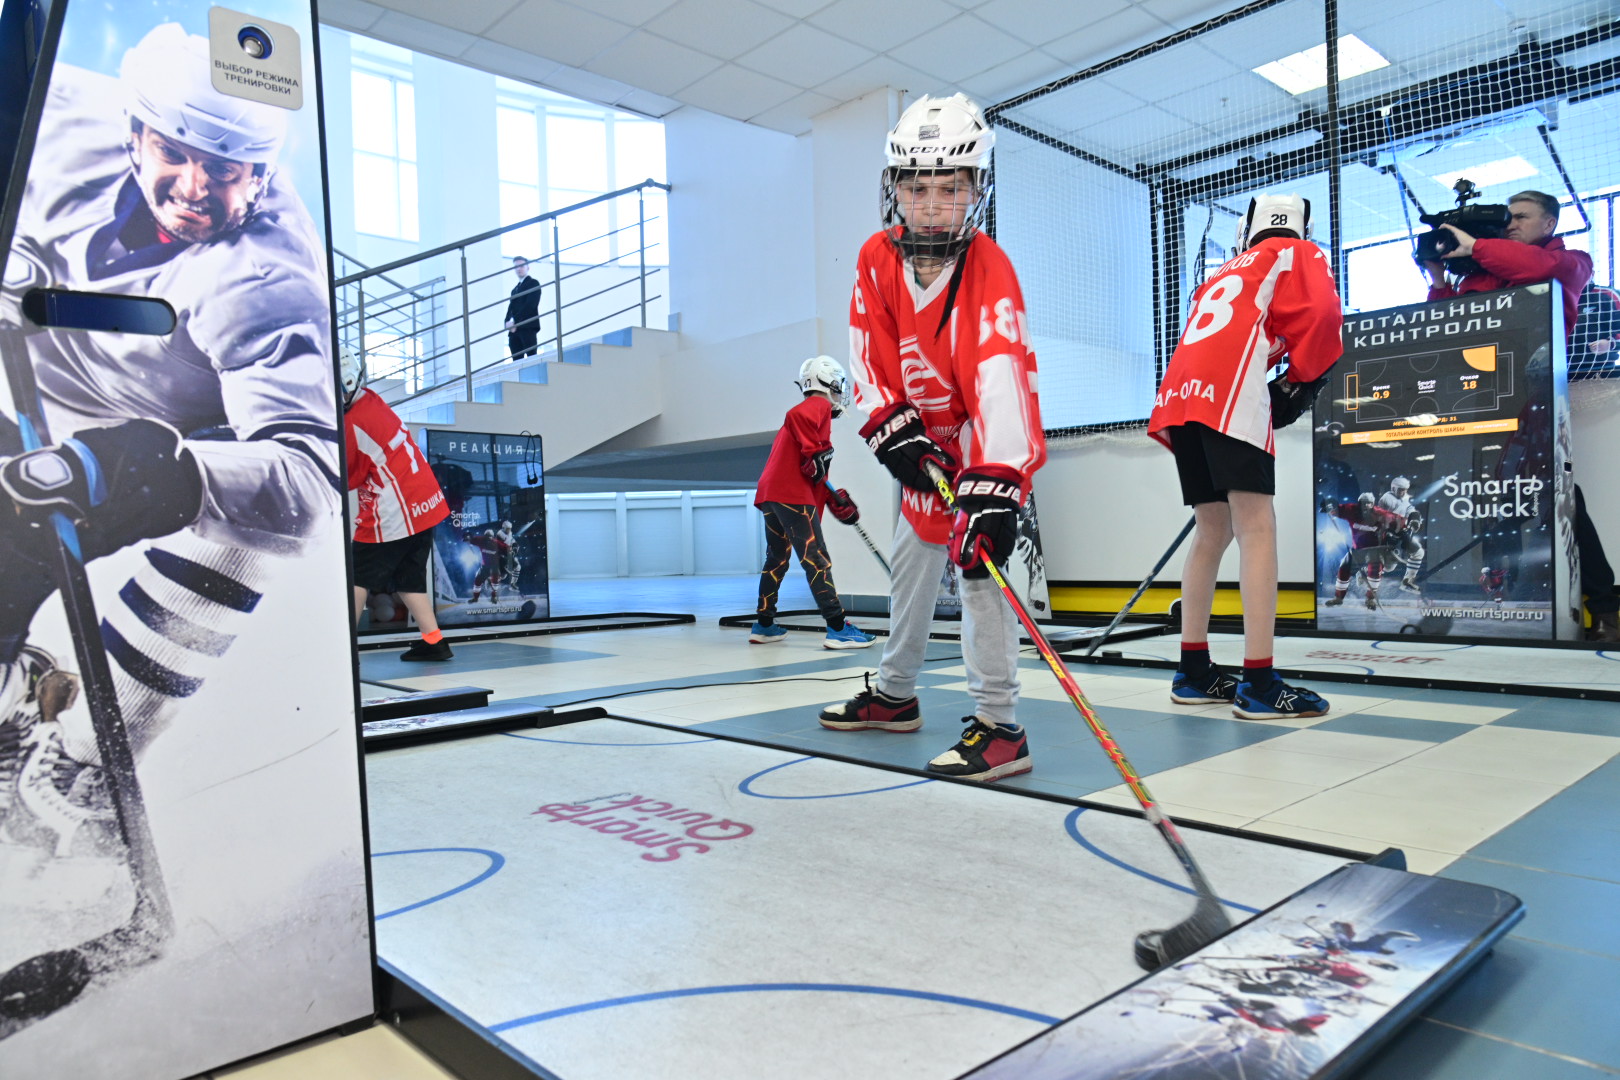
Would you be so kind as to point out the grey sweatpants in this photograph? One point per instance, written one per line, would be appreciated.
(989, 629)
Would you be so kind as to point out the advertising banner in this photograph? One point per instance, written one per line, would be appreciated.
(489, 555)
(1443, 497)
(182, 853)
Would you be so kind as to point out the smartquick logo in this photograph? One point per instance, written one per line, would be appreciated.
(1518, 497)
(1487, 613)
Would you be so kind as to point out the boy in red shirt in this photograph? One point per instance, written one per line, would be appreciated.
(1217, 413)
(939, 346)
(792, 490)
(400, 502)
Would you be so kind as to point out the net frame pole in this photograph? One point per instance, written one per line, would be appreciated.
(1330, 21)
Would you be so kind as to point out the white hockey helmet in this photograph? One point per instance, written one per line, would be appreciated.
(938, 134)
(1274, 215)
(168, 86)
(352, 370)
(1400, 485)
(825, 374)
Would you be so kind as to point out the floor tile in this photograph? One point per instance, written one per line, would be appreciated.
(1345, 745)
(1400, 821)
(1540, 996)
(1267, 761)
(1574, 912)
(1242, 798)
(1463, 793)
(378, 1053)
(1547, 839)
(1550, 756)
(1443, 711)
(1418, 860)
(1391, 727)
(1428, 1050)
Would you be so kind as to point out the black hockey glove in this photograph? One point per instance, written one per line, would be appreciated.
(816, 465)
(1414, 521)
(1291, 400)
(897, 436)
(132, 481)
(843, 507)
(987, 501)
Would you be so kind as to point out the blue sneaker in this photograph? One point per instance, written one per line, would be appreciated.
(1277, 700)
(850, 637)
(764, 635)
(1211, 688)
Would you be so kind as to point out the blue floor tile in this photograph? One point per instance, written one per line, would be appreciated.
(1540, 996)
(1430, 1051)
(1546, 839)
(1559, 909)
(1585, 717)
(1394, 727)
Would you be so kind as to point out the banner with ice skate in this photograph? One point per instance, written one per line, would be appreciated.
(489, 555)
(1443, 504)
(180, 833)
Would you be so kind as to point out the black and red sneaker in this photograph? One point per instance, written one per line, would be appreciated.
(985, 753)
(871, 709)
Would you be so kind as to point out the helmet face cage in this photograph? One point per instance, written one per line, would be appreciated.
(352, 370)
(1400, 485)
(946, 246)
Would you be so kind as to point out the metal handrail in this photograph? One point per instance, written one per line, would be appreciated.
(415, 321)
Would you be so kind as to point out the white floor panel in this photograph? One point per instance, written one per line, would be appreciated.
(803, 918)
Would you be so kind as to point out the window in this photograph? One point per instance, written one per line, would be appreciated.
(556, 151)
(385, 201)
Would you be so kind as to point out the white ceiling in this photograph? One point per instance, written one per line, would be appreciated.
(775, 63)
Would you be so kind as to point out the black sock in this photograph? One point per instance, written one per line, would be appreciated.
(766, 620)
(1194, 659)
(835, 625)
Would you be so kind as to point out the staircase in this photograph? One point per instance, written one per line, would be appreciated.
(595, 391)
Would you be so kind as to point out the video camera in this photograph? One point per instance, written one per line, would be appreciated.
(1486, 221)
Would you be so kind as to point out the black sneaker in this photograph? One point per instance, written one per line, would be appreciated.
(870, 709)
(984, 753)
(425, 652)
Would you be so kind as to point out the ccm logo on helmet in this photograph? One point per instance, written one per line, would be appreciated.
(989, 487)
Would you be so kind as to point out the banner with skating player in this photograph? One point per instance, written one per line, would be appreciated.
(183, 877)
(489, 555)
(1443, 499)
(1026, 571)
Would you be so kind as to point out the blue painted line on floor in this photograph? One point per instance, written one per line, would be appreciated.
(579, 742)
(755, 988)
(1069, 823)
(746, 789)
(496, 861)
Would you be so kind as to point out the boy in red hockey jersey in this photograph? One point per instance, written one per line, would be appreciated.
(400, 502)
(939, 347)
(1218, 414)
(792, 490)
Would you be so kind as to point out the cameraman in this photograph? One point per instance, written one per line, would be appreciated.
(1527, 254)
(1530, 253)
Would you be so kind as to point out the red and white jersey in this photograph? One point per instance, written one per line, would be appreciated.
(398, 495)
(806, 431)
(972, 379)
(1276, 297)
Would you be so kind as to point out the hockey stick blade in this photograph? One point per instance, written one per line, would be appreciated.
(1159, 948)
(1208, 920)
(43, 984)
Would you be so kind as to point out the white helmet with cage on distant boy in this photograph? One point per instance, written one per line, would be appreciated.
(352, 371)
(825, 374)
(1274, 215)
(938, 134)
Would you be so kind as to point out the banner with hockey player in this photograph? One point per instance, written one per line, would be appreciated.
(1026, 571)
(489, 555)
(182, 853)
(1443, 501)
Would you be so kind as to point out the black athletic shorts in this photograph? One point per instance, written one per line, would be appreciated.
(393, 565)
(1211, 464)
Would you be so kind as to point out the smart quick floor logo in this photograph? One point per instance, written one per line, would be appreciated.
(1519, 497)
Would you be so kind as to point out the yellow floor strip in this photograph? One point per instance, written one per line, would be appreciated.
(1081, 600)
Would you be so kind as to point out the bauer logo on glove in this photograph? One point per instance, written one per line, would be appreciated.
(987, 501)
(897, 436)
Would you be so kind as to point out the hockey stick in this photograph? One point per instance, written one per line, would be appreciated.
(1154, 948)
(876, 554)
(45, 983)
(1142, 588)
